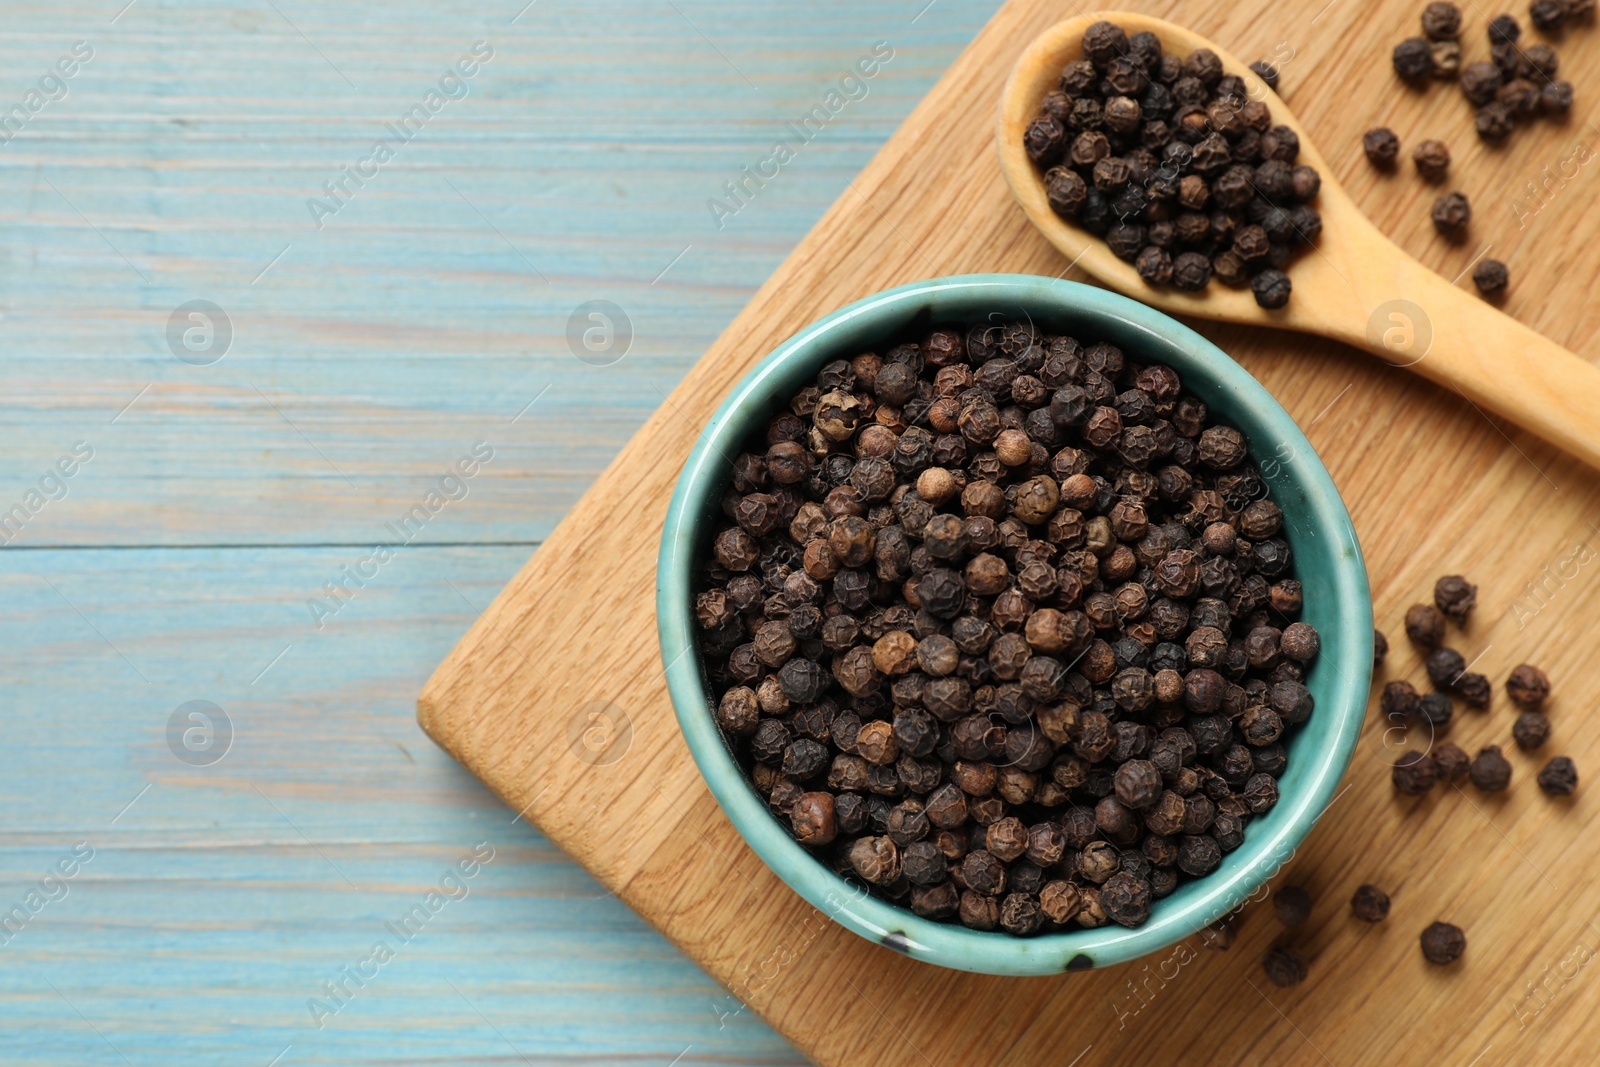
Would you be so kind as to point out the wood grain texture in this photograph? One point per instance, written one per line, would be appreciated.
(379, 349)
(1433, 485)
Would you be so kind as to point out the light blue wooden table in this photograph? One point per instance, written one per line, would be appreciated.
(323, 892)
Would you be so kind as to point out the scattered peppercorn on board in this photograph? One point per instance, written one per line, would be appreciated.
(556, 697)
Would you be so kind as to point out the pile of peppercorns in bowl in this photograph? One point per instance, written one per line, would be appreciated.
(1170, 161)
(998, 621)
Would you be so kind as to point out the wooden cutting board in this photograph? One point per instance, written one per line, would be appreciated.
(556, 699)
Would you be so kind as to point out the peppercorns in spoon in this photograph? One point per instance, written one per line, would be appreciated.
(1348, 281)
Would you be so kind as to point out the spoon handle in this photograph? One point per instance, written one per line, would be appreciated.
(1454, 338)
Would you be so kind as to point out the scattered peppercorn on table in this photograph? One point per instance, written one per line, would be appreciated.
(1435, 489)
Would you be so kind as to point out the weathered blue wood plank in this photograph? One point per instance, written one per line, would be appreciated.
(211, 911)
(368, 356)
(433, 306)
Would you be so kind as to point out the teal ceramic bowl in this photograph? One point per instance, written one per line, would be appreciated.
(1328, 563)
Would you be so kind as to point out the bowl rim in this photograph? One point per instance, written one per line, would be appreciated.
(1198, 902)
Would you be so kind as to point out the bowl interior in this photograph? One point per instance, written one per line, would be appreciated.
(1327, 562)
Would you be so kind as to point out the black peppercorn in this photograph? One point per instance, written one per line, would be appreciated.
(804, 759)
(1125, 899)
(1043, 139)
(1271, 288)
(1066, 191)
(1504, 29)
(1413, 59)
(1138, 783)
(979, 912)
(1306, 222)
(1480, 81)
(1007, 839)
(1443, 943)
(1540, 62)
(1493, 122)
(1414, 773)
(812, 817)
(1370, 904)
(1125, 239)
(1436, 710)
(1280, 142)
(1060, 901)
(1228, 829)
(1451, 214)
(1432, 159)
(1445, 667)
(1283, 967)
(1399, 700)
(1292, 905)
(1510, 60)
(1425, 625)
(1519, 97)
(1199, 854)
(1528, 686)
(1548, 15)
(1490, 771)
(1154, 265)
(738, 712)
(939, 901)
(1097, 862)
(1473, 687)
(875, 859)
(1555, 97)
(1531, 730)
(1559, 777)
(1381, 146)
(1079, 77)
(1191, 271)
(1450, 761)
(983, 872)
(1103, 42)
(1491, 277)
(1020, 915)
(1441, 21)
(1446, 59)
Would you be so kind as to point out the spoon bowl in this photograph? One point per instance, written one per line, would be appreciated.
(1353, 284)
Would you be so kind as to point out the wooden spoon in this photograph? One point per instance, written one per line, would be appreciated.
(1354, 284)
